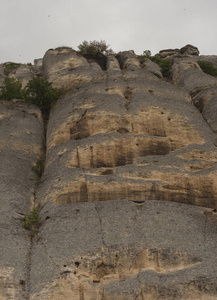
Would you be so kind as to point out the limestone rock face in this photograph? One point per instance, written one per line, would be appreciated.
(128, 195)
(125, 250)
(21, 145)
(65, 68)
(129, 137)
(186, 50)
(202, 88)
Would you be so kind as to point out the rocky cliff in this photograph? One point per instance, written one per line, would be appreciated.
(127, 196)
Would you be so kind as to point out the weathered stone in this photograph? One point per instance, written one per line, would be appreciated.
(168, 52)
(38, 64)
(189, 50)
(65, 68)
(201, 86)
(153, 68)
(113, 67)
(92, 252)
(21, 145)
(112, 129)
(128, 196)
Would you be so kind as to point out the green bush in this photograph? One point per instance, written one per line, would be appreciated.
(12, 89)
(32, 221)
(165, 64)
(146, 54)
(40, 92)
(94, 48)
(208, 68)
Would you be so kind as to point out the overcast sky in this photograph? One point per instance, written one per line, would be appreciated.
(30, 27)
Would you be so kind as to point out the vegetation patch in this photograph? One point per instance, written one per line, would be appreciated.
(165, 63)
(38, 91)
(208, 68)
(146, 55)
(12, 89)
(32, 220)
(10, 67)
(38, 168)
(94, 48)
(95, 51)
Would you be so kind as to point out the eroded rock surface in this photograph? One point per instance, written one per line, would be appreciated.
(131, 136)
(128, 196)
(21, 145)
(125, 250)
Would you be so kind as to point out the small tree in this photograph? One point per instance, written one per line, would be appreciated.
(94, 48)
(40, 92)
(12, 89)
(145, 55)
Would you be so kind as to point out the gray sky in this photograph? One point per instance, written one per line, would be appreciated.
(30, 27)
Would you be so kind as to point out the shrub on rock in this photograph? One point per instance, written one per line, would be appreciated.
(208, 68)
(12, 89)
(40, 92)
(94, 48)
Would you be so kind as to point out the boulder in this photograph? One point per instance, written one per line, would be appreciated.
(189, 50)
(65, 68)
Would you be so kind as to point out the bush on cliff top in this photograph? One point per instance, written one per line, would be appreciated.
(165, 63)
(94, 48)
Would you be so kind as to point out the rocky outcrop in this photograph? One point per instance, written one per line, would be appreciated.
(65, 68)
(187, 50)
(128, 195)
(131, 136)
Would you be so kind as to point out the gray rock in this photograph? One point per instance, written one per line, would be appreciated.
(157, 249)
(189, 50)
(21, 144)
(201, 86)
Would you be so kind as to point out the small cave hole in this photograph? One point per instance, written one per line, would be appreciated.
(107, 172)
(77, 264)
(22, 282)
(122, 130)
